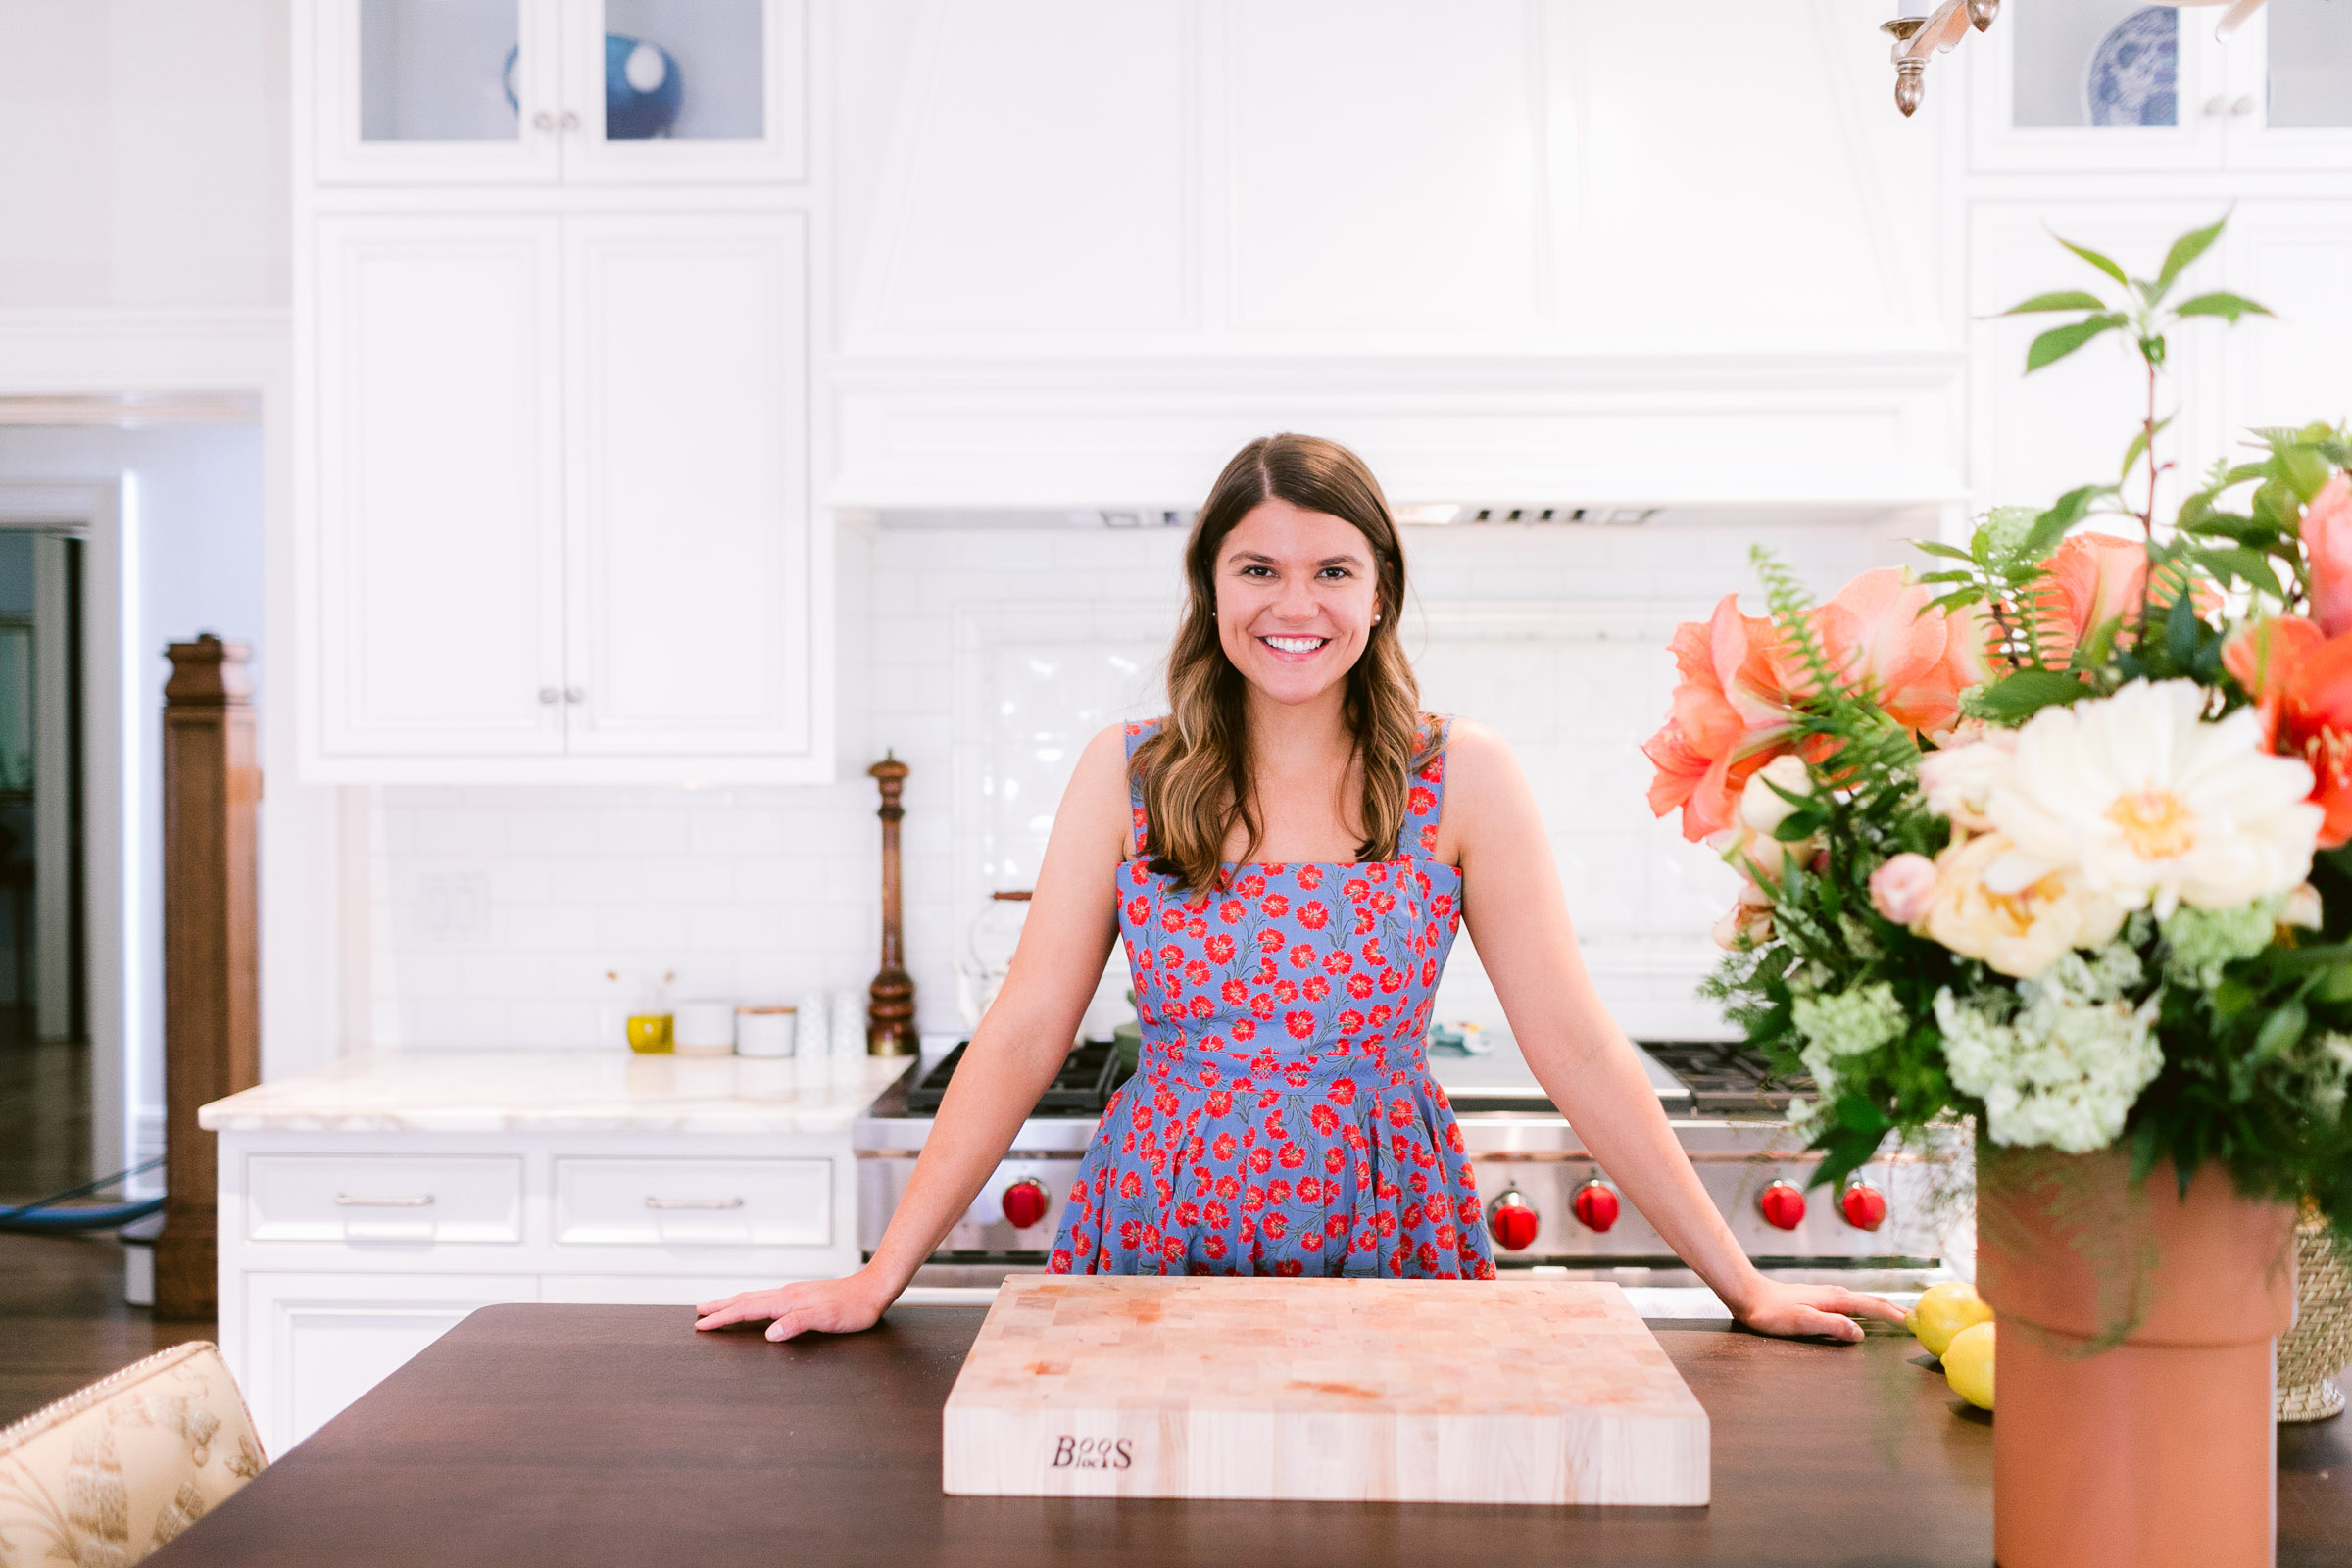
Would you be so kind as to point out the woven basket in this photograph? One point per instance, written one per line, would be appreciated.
(2317, 1349)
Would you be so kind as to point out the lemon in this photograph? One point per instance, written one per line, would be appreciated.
(1943, 1311)
(1968, 1364)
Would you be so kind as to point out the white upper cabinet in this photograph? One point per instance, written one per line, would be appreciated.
(688, 571)
(563, 482)
(559, 91)
(2078, 84)
(440, 487)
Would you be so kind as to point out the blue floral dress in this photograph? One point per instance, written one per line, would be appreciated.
(1283, 1120)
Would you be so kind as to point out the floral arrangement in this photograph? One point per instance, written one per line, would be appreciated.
(2052, 836)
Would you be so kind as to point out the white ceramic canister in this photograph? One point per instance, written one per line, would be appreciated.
(814, 1047)
(702, 1028)
(848, 1025)
(764, 1031)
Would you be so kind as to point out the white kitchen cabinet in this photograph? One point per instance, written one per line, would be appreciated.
(576, 92)
(563, 498)
(2082, 84)
(2294, 256)
(688, 551)
(308, 1345)
(440, 486)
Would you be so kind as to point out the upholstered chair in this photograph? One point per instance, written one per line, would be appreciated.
(103, 1477)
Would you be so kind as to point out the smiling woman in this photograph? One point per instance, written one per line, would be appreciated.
(1288, 857)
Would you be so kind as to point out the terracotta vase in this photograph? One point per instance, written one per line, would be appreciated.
(2133, 1423)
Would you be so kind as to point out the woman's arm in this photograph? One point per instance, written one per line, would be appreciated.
(1518, 918)
(1013, 1055)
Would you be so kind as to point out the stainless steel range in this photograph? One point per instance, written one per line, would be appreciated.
(1549, 1203)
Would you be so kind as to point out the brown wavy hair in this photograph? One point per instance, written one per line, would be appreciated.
(1194, 772)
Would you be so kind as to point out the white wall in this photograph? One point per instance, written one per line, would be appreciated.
(193, 516)
(497, 912)
(144, 153)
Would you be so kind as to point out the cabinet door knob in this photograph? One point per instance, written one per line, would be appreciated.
(548, 693)
(2244, 105)
(543, 120)
(2216, 104)
(573, 694)
(571, 120)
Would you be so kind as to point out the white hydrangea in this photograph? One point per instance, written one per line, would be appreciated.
(2063, 1070)
(1851, 1022)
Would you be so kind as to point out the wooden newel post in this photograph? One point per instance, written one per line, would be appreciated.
(212, 967)
(890, 1017)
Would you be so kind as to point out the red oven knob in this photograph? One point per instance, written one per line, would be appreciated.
(1595, 1205)
(1025, 1203)
(1783, 1205)
(1864, 1205)
(1514, 1224)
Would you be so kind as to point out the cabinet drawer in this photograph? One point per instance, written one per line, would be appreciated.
(394, 1197)
(694, 1202)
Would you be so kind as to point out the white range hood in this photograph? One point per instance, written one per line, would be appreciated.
(1643, 256)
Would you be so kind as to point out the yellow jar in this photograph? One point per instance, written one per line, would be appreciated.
(649, 1033)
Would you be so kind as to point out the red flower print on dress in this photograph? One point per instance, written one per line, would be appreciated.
(1429, 837)
(1286, 992)
(1302, 957)
(1314, 988)
(1260, 1160)
(1220, 1101)
(1212, 1247)
(1139, 910)
(1224, 1148)
(1231, 912)
(1202, 1006)
(1300, 1023)
(1211, 1073)
(1171, 919)
(1250, 886)
(1235, 993)
(1270, 942)
(1429, 971)
(1310, 877)
(1245, 1030)
(1313, 916)
(1420, 801)
(1359, 985)
(1219, 948)
(1326, 1119)
(1197, 973)
(1382, 1013)
(1395, 980)
(1274, 906)
(1334, 1160)
(1338, 960)
(1261, 1004)
(1274, 1225)
(1229, 1187)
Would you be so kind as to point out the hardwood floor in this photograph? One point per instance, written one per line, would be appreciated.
(63, 1323)
(44, 1113)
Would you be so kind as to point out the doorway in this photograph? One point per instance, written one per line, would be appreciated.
(45, 1063)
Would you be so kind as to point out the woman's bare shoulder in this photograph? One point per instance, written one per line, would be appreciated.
(1476, 755)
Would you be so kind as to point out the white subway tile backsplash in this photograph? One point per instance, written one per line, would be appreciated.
(992, 656)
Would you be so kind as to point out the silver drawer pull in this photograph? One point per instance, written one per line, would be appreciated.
(694, 1202)
(346, 1201)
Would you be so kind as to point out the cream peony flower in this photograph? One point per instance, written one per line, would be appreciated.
(2135, 797)
(1959, 779)
(2020, 933)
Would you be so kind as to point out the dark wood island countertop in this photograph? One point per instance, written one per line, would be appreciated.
(615, 1434)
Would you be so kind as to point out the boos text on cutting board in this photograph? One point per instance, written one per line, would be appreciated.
(1092, 1454)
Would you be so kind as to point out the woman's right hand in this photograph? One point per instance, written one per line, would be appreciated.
(827, 1306)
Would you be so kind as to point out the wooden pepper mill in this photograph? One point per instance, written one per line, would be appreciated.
(890, 1014)
(211, 953)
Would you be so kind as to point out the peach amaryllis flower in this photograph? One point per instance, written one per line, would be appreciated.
(1733, 713)
(1735, 707)
(2301, 681)
(2089, 580)
(2328, 541)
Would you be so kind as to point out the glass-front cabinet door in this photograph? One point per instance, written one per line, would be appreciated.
(2122, 84)
(704, 89)
(548, 91)
(2289, 95)
(2094, 85)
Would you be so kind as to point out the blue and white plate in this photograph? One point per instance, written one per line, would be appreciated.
(2134, 76)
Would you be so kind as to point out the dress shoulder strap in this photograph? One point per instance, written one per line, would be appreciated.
(1136, 734)
(1425, 794)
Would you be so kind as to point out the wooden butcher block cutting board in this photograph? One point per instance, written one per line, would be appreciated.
(1410, 1390)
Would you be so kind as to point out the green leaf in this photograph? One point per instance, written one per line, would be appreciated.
(2279, 1030)
(1934, 547)
(2060, 341)
(2145, 1152)
(2052, 526)
(2250, 564)
(2180, 630)
(2186, 249)
(2095, 260)
(2229, 307)
(2025, 692)
(2334, 985)
(2064, 300)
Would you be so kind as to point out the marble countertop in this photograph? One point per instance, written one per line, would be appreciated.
(552, 1091)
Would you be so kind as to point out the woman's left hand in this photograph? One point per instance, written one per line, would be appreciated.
(1812, 1312)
